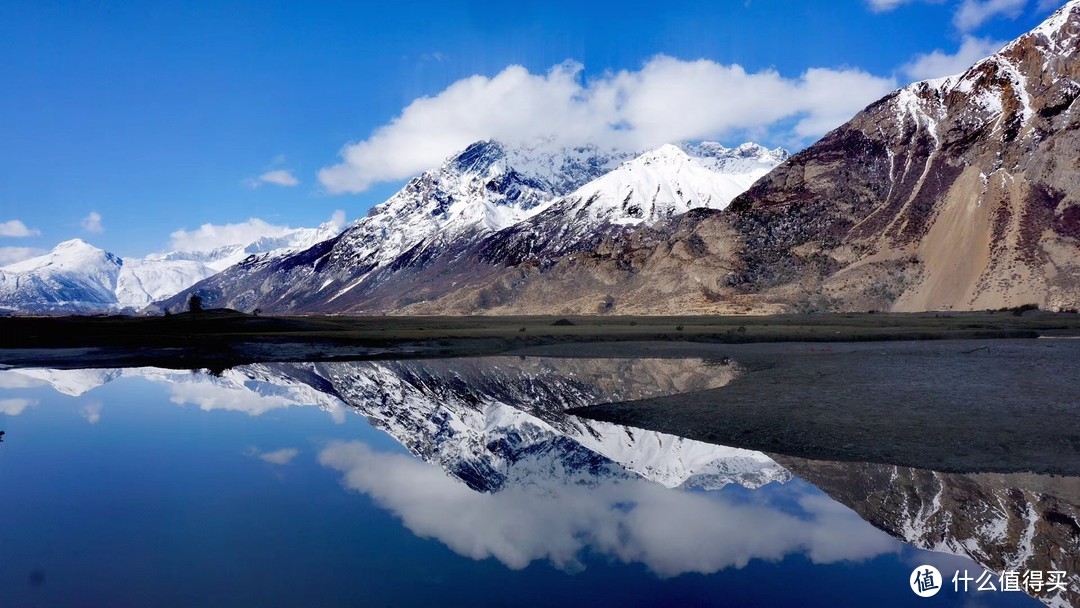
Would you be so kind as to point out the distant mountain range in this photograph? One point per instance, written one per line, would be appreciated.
(959, 193)
(78, 278)
(487, 209)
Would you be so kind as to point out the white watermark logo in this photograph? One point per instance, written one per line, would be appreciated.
(925, 581)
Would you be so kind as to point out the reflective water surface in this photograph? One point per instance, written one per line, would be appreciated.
(463, 482)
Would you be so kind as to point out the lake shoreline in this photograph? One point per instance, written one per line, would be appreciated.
(962, 406)
(224, 338)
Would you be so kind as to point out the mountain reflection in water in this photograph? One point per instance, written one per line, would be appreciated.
(504, 472)
(1003, 521)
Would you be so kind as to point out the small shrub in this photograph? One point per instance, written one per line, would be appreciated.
(1019, 310)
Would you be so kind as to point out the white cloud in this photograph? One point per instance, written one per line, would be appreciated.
(209, 397)
(13, 379)
(92, 223)
(237, 392)
(283, 456)
(14, 407)
(337, 218)
(974, 13)
(667, 100)
(17, 229)
(10, 255)
(91, 412)
(939, 63)
(277, 177)
(883, 6)
(212, 236)
(634, 521)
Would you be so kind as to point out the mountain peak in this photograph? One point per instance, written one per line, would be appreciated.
(1061, 29)
(75, 276)
(657, 185)
(67, 254)
(667, 154)
(75, 243)
(478, 157)
(1036, 73)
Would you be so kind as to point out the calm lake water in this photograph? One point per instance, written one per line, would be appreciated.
(461, 483)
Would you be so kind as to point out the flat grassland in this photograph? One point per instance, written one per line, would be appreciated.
(223, 338)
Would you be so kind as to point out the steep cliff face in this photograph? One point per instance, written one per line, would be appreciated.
(956, 193)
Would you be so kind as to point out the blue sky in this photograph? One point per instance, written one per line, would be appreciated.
(162, 116)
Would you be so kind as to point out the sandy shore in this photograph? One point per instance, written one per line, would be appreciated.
(958, 406)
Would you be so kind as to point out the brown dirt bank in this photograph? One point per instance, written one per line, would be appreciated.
(955, 406)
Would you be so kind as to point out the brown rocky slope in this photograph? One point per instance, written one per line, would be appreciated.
(960, 193)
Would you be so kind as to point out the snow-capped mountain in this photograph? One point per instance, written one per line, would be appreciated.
(658, 185)
(483, 209)
(73, 277)
(484, 188)
(501, 421)
(78, 278)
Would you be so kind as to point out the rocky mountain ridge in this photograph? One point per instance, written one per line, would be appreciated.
(483, 209)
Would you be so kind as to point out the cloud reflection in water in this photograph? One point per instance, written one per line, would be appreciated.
(670, 531)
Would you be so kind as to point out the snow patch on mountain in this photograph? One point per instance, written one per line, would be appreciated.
(996, 82)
